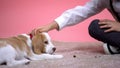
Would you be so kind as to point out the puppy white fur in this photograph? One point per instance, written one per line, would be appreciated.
(22, 49)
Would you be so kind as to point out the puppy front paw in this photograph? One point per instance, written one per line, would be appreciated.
(27, 62)
(58, 56)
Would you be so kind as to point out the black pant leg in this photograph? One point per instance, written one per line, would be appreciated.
(112, 38)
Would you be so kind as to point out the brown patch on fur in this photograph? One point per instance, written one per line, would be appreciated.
(38, 43)
(2, 43)
(18, 42)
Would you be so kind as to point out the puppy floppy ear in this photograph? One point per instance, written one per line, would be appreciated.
(37, 44)
(34, 32)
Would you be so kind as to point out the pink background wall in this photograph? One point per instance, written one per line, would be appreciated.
(21, 16)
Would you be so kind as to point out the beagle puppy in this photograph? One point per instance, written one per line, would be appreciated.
(24, 48)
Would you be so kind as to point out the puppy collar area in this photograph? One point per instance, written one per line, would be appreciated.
(31, 36)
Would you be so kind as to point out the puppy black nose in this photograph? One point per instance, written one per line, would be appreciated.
(54, 49)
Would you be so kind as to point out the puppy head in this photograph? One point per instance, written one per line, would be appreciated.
(41, 43)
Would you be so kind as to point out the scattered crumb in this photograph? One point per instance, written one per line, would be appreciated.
(97, 56)
(74, 56)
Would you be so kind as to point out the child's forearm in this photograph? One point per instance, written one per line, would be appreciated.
(53, 25)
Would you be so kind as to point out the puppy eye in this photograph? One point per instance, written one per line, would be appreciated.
(46, 42)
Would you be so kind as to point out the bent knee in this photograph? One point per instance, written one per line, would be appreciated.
(93, 25)
(94, 29)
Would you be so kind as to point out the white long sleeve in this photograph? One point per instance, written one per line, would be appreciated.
(80, 13)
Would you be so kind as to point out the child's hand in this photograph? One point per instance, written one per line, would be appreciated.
(48, 27)
(110, 25)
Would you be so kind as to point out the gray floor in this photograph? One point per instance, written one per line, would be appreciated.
(77, 55)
